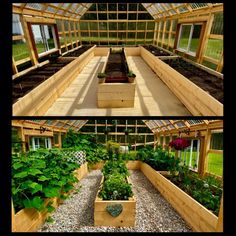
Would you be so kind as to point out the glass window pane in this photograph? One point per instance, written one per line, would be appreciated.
(215, 163)
(184, 37)
(195, 38)
(19, 50)
(214, 48)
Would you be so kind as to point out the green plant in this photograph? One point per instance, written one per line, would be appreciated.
(113, 150)
(49, 220)
(115, 187)
(115, 166)
(131, 74)
(158, 159)
(206, 190)
(38, 175)
(101, 75)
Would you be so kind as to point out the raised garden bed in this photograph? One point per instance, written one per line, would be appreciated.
(210, 83)
(25, 83)
(195, 214)
(78, 52)
(157, 51)
(35, 97)
(197, 101)
(126, 211)
(116, 91)
(29, 219)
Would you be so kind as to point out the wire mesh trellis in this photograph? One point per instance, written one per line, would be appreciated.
(75, 156)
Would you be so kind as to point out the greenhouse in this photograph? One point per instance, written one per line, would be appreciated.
(117, 59)
(117, 175)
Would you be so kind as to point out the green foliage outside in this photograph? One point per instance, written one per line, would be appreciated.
(41, 174)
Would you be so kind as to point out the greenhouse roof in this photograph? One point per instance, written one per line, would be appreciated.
(77, 10)
(156, 126)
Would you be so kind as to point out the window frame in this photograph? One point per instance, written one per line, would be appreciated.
(190, 38)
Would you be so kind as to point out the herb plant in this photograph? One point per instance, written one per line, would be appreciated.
(115, 187)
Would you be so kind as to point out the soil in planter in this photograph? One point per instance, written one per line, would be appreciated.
(116, 68)
(208, 82)
(78, 52)
(156, 51)
(25, 83)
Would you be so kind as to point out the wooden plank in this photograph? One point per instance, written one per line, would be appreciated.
(115, 104)
(37, 20)
(82, 171)
(220, 223)
(101, 51)
(29, 43)
(103, 218)
(196, 215)
(133, 165)
(38, 133)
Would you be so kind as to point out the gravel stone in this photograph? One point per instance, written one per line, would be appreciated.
(153, 212)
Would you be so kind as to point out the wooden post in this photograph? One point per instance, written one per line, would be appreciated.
(219, 227)
(22, 137)
(13, 227)
(205, 38)
(33, 56)
(14, 68)
(164, 142)
(204, 153)
(59, 140)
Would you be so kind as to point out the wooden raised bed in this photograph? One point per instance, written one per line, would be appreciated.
(38, 101)
(196, 100)
(196, 215)
(114, 93)
(29, 219)
(103, 218)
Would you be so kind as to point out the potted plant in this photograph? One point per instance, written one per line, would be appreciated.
(127, 131)
(101, 77)
(131, 76)
(106, 131)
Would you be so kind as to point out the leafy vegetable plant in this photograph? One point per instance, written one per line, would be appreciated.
(41, 174)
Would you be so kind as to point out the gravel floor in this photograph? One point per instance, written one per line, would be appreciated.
(153, 212)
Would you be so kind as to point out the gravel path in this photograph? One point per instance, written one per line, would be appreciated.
(153, 212)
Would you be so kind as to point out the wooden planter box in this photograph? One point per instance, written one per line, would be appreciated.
(115, 95)
(103, 218)
(131, 165)
(196, 215)
(29, 219)
(97, 166)
(196, 100)
(38, 101)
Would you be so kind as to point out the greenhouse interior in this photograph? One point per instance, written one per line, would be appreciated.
(117, 175)
(117, 59)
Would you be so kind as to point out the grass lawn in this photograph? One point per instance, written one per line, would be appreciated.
(213, 50)
(215, 162)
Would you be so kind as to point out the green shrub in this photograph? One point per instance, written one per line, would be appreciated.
(158, 159)
(41, 174)
(115, 187)
(115, 166)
